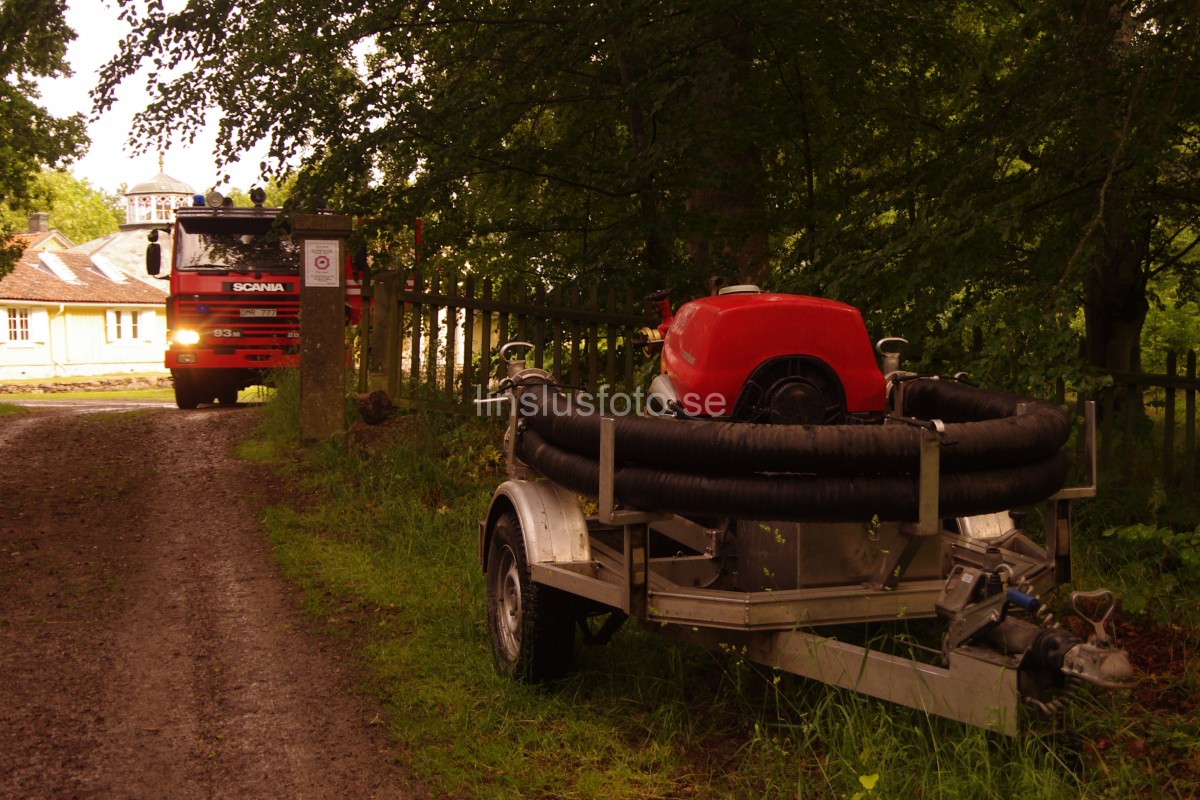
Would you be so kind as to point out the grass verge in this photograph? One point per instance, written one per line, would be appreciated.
(385, 550)
(149, 395)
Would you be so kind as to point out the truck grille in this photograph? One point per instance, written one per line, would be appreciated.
(224, 313)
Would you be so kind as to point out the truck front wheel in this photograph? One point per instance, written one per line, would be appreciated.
(186, 395)
(531, 625)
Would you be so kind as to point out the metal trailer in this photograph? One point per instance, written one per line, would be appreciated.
(551, 567)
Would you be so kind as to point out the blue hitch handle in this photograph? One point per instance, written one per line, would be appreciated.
(1022, 600)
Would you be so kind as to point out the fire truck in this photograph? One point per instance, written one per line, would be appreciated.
(233, 311)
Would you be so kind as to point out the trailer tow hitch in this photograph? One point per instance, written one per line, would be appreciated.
(1047, 654)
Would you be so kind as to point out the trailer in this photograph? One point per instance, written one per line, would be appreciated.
(780, 490)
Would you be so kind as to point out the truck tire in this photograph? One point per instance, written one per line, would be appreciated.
(227, 395)
(531, 626)
(186, 395)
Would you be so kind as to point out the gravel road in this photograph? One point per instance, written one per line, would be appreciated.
(148, 645)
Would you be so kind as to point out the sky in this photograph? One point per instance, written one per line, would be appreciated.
(109, 161)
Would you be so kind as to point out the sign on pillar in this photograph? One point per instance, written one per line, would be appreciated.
(322, 240)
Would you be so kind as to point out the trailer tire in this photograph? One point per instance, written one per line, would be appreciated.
(531, 625)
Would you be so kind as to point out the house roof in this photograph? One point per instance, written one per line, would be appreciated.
(126, 250)
(45, 240)
(161, 183)
(67, 277)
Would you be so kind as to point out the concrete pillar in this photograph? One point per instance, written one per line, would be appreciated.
(322, 240)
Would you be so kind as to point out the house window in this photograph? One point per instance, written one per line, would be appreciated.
(24, 327)
(120, 324)
(18, 324)
(128, 325)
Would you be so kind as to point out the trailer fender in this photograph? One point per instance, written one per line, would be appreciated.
(552, 522)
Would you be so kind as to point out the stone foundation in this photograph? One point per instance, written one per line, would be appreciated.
(97, 385)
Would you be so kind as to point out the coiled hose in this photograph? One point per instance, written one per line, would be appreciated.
(992, 458)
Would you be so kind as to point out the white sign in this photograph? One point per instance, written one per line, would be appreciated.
(321, 263)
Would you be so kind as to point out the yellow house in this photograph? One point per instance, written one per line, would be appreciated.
(63, 314)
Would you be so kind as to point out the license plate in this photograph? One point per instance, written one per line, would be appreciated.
(258, 312)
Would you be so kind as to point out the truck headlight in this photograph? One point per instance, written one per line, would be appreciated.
(185, 337)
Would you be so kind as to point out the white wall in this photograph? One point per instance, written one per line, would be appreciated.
(70, 341)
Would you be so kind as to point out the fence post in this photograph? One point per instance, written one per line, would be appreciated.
(1169, 422)
(485, 339)
(451, 333)
(1189, 416)
(431, 333)
(556, 334)
(393, 345)
(505, 333)
(1131, 405)
(417, 310)
(522, 324)
(468, 369)
(539, 327)
(576, 356)
(610, 350)
(628, 363)
(1106, 425)
(593, 343)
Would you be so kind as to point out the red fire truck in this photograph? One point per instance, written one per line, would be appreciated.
(233, 312)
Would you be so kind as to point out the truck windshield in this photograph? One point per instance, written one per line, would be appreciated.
(230, 244)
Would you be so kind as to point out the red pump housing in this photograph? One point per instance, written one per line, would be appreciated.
(715, 343)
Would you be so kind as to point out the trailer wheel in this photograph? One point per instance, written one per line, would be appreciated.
(531, 625)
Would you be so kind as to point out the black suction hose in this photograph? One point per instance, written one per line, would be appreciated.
(983, 432)
(991, 458)
(797, 498)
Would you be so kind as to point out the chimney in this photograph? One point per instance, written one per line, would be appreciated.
(39, 222)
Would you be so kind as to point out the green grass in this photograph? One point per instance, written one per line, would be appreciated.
(254, 394)
(385, 551)
(11, 410)
(155, 395)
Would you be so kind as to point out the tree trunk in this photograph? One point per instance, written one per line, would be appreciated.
(652, 251)
(1114, 288)
(729, 234)
(1115, 308)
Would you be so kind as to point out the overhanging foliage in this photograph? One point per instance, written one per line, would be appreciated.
(938, 164)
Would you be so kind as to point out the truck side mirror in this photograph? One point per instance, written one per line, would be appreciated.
(153, 258)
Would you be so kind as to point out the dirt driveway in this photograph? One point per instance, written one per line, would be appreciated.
(148, 646)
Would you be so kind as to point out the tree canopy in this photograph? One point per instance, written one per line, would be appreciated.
(974, 176)
(33, 44)
(76, 208)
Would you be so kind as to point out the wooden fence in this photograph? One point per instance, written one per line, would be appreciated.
(1143, 429)
(438, 336)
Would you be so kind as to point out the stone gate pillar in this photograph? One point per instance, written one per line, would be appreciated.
(322, 239)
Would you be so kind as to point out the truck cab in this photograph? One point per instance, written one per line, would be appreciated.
(233, 310)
